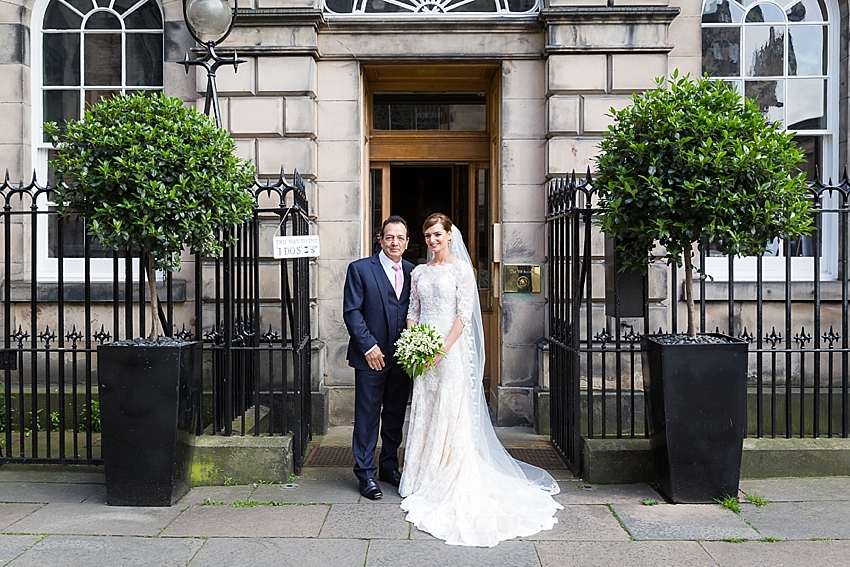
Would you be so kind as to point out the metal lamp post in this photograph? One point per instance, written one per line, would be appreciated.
(210, 22)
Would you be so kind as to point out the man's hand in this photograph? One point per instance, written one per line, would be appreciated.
(375, 359)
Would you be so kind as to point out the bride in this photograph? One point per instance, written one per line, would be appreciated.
(459, 484)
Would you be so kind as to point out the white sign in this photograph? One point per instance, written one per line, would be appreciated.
(296, 246)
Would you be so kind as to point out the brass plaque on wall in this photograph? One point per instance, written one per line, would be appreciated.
(522, 278)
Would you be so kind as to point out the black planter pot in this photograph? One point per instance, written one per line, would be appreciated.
(149, 411)
(696, 407)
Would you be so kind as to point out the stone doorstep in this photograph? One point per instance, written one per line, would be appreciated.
(626, 461)
(241, 460)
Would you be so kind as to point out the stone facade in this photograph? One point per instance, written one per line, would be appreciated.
(299, 100)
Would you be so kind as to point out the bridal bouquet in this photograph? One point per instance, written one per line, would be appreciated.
(416, 347)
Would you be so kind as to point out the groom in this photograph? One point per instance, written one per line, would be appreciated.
(375, 300)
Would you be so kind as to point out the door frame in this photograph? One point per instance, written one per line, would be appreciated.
(382, 149)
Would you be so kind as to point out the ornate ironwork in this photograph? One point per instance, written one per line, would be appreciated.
(431, 8)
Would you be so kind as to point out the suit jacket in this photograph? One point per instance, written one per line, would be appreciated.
(365, 309)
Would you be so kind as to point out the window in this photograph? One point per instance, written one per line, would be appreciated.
(431, 8)
(781, 55)
(87, 50)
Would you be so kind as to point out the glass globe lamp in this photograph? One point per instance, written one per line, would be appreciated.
(210, 19)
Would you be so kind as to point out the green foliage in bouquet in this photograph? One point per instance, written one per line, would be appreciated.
(692, 162)
(417, 347)
(147, 172)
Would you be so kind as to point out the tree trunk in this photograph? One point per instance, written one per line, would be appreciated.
(154, 311)
(689, 289)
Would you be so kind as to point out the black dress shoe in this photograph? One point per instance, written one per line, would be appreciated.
(392, 477)
(370, 489)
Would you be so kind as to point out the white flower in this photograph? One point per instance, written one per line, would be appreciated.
(417, 347)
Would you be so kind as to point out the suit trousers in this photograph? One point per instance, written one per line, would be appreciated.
(389, 387)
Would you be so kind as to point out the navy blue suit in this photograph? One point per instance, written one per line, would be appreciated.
(374, 315)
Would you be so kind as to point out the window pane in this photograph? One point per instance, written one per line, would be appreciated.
(721, 51)
(522, 5)
(483, 256)
(376, 177)
(806, 104)
(144, 59)
(103, 59)
(103, 21)
(339, 6)
(401, 117)
(474, 6)
(807, 11)
(73, 238)
(721, 12)
(61, 106)
(62, 59)
(83, 6)
(807, 50)
(766, 13)
(94, 96)
(58, 17)
(374, 6)
(103, 3)
(765, 51)
(146, 17)
(770, 97)
(405, 111)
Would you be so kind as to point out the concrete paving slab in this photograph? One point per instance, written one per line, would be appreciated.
(98, 551)
(623, 554)
(47, 492)
(683, 521)
(13, 545)
(11, 513)
(226, 494)
(315, 491)
(95, 519)
(383, 553)
(73, 474)
(378, 521)
(829, 488)
(258, 521)
(584, 523)
(759, 554)
(281, 553)
(583, 493)
(800, 520)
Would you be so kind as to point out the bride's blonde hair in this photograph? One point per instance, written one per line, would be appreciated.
(437, 218)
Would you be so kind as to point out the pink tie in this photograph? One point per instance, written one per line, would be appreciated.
(399, 280)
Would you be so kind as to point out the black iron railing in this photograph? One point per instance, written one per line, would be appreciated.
(251, 310)
(791, 306)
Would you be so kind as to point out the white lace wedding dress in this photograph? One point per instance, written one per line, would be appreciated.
(454, 487)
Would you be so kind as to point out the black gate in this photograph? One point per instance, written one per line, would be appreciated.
(63, 295)
(796, 320)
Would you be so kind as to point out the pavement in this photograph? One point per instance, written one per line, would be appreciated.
(57, 516)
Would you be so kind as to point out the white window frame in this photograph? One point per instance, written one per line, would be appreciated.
(101, 269)
(802, 268)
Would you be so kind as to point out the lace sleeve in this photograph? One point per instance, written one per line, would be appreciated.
(413, 309)
(466, 290)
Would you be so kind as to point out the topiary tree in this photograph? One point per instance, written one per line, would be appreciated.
(147, 172)
(692, 162)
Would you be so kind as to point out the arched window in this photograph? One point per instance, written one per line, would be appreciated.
(84, 51)
(431, 8)
(781, 55)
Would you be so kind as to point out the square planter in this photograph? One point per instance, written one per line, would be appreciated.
(696, 408)
(150, 411)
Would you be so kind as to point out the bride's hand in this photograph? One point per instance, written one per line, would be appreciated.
(437, 358)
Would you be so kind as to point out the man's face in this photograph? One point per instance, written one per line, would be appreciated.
(394, 241)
